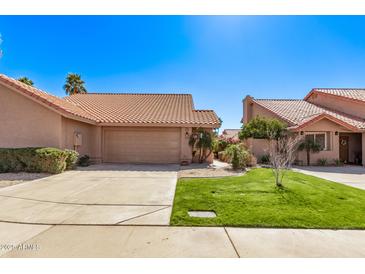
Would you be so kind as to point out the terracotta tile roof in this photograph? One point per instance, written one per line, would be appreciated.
(299, 112)
(143, 108)
(231, 133)
(54, 102)
(351, 93)
(122, 108)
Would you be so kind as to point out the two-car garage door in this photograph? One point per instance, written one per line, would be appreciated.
(141, 145)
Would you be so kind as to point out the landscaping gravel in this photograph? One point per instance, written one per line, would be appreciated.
(9, 179)
(217, 169)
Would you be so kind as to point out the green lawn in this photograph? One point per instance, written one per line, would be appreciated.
(252, 200)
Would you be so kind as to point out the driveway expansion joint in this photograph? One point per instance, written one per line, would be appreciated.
(81, 204)
(229, 238)
(141, 215)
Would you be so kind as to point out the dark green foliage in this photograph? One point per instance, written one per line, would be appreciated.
(322, 161)
(263, 128)
(235, 160)
(309, 146)
(26, 80)
(84, 160)
(265, 159)
(202, 143)
(48, 160)
(74, 84)
(71, 159)
(237, 155)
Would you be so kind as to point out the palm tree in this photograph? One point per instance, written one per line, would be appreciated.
(310, 146)
(74, 84)
(26, 81)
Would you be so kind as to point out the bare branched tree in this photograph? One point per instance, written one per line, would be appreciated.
(282, 154)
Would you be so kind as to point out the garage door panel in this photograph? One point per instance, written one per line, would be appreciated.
(142, 145)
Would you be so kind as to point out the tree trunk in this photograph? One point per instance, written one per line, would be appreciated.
(308, 157)
(277, 180)
(200, 155)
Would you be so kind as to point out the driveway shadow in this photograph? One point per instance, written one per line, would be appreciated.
(131, 167)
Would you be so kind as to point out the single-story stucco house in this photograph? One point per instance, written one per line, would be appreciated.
(335, 118)
(115, 128)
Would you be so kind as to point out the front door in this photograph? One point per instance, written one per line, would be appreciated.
(344, 149)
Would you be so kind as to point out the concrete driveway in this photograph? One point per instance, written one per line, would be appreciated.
(124, 211)
(349, 175)
(100, 194)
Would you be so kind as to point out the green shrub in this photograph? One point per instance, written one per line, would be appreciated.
(322, 161)
(32, 159)
(84, 160)
(50, 160)
(265, 159)
(337, 162)
(71, 159)
(237, 155)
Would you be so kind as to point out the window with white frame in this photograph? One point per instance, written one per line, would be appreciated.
(323, 138)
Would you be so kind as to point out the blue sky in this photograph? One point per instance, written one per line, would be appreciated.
(218, 59)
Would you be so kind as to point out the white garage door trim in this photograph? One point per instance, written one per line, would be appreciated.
(141, 145)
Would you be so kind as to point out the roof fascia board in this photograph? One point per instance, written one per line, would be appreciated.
(328, 117)
(157, 125)
(54, 109)
(333, 96)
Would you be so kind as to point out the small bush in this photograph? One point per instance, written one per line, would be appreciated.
(84, 160)
(48, 160)
(265, 159)
(337, 162)
(322, 161)
(221, 143)
(237, 155)
(71, 159)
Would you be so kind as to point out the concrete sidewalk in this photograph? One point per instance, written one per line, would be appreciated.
(165, 242)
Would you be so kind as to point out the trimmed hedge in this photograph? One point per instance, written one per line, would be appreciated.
(33, 159)
(71, 159)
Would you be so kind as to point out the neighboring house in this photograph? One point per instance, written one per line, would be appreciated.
(335, 118)
(116, 128)
(231, 133)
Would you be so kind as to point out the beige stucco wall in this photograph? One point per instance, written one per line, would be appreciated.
(186, 149)
(25, 123)
(324, 125)
(251, 110)
(257, 147)
(91, 136)
(343, 105)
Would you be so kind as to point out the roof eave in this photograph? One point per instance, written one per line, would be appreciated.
(143, 124)
(325, 116)
(314, 91)
(46, 104)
